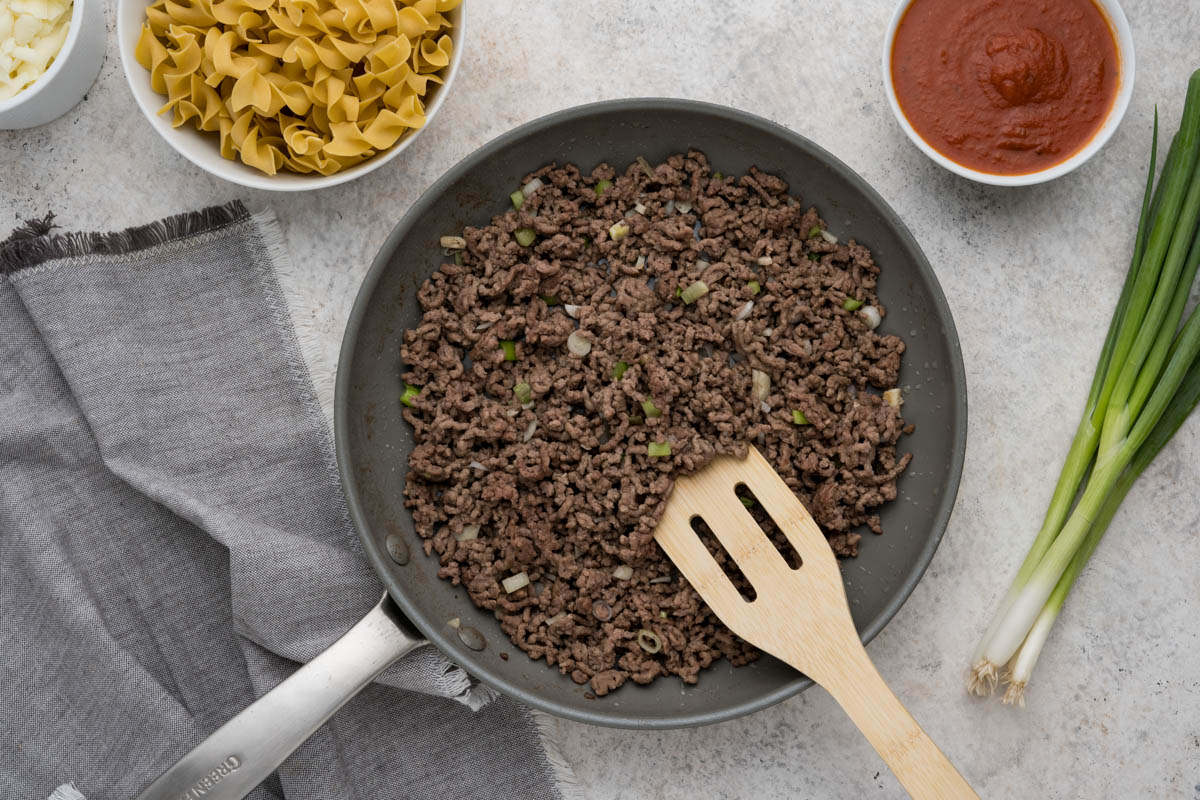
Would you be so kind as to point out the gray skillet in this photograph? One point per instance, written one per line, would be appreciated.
(373, 443)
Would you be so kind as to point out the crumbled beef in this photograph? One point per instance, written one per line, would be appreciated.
(564, 489)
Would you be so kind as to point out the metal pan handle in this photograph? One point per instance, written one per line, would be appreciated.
(244, 751)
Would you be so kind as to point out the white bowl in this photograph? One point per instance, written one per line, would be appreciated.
(1124, 40)
(202, 148)
(70, 75)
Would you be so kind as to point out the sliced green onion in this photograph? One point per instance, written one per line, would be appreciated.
(549, 299)
(458, 259)
(754, 287)
(515, 583)
(648, 640)
(798, 417)
(658, 449)
(678, 291)
(410, 392)
(694, 292)
(524, 393)
(851, 304)
(618, 370)
(618, 231)
(524, 236)
(717, 176)
(603, 186)
(813, 257)
(636, 419)
(518, 199)
(662, 614)
(815, 230)
(510, 349)
(644, 164)
(649, 409)
(747, 502)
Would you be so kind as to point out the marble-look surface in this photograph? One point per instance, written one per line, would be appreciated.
(1031, 276)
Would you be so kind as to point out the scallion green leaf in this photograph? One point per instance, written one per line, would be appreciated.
(618, 370)
(650, 409)
(747, 502)
(798, 417)
(618, 231)
(815, 230)
(410, 392)
(603, 186)
(524, 236)
(510, 349)
(518, 199)
(524, 393)
(851, 304)
(549, 299)
(754, 287)
(658, 449)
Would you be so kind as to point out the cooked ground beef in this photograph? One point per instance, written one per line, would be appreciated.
(562, 488)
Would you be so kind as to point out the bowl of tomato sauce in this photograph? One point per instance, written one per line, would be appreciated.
(1009, 92)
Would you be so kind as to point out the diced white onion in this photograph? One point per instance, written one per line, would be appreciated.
(683, 206)
(512, 412)
(468, 533)
(531, 187)
(768, 332)
(572, 311)
(640, 263)
(529, 431)
(829, 237)
(623, 572)
(765, 406)
(669, 208)
(892, 398)
(515, 583)
(763, 261)
(870, 315)
(453, 242)
(661, 579)
(454, 622)
(701, 264)
(578, 344)
(559, 616)
(760, 383)
(527, 406)
(639, 208)
(483, 326)
(478, 466)
(745, 311)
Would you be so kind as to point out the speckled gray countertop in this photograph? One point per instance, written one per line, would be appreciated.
(1031, 276)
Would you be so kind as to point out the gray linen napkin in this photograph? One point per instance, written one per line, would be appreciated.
(173, 536)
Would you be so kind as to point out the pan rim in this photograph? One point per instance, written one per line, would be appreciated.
(612, 716)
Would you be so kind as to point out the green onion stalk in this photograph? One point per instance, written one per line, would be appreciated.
(1139, 391)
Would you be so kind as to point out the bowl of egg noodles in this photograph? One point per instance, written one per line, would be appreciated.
(50, 53)
(290, 95)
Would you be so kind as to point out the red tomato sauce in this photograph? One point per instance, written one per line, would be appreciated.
(1007, 87)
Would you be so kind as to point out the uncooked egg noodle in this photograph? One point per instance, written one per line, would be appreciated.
(302, 85)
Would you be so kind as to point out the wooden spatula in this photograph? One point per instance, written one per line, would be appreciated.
(799, 615)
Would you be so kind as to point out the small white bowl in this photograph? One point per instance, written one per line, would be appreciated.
(1124, 40)
(69, 77)
(202, 147)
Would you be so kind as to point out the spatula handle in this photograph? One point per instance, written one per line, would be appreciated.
(922, 769)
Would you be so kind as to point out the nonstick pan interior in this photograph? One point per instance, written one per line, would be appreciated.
(373, 441)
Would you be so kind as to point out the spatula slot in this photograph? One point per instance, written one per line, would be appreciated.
(724, 561)
(767, 523)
